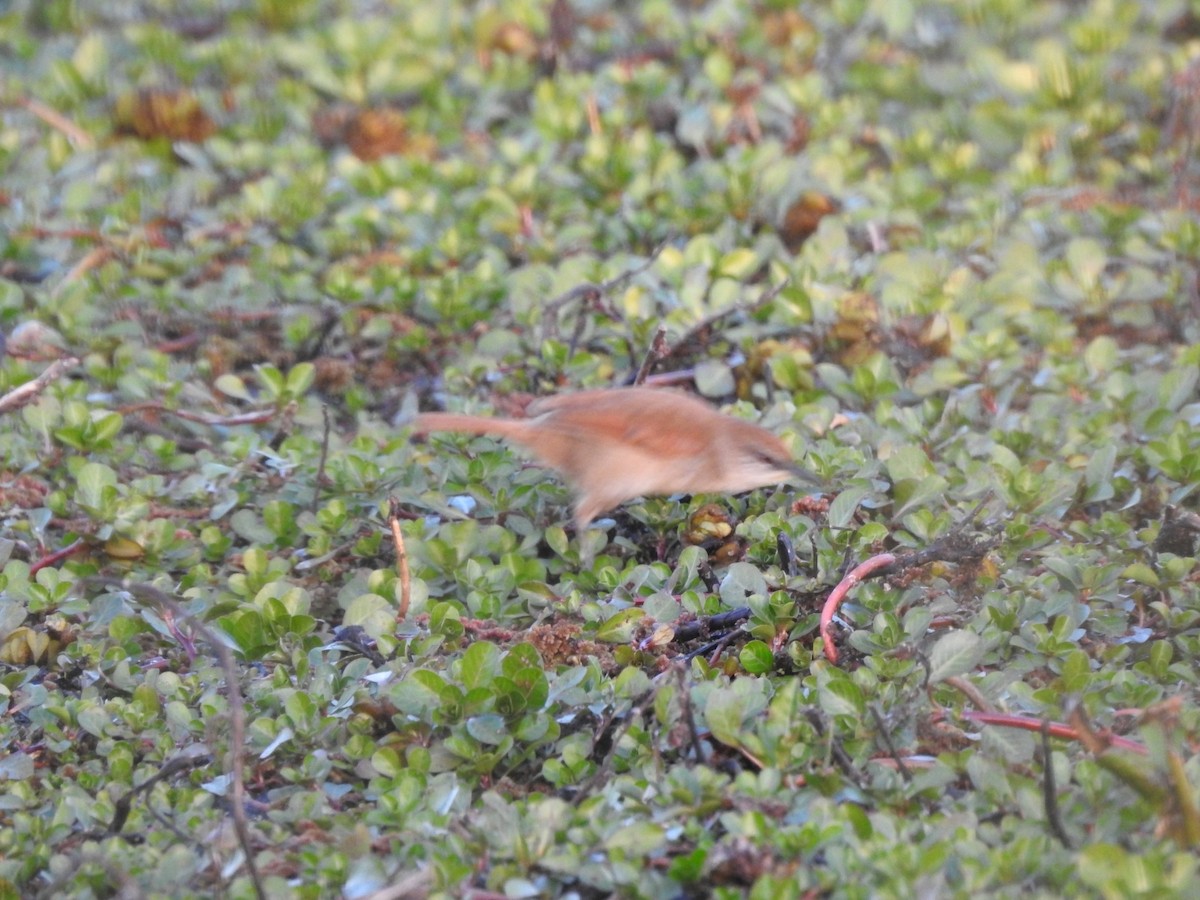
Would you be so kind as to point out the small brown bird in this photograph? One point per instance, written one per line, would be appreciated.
(613, 445)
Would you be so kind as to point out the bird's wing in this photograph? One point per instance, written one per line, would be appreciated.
(607, 412)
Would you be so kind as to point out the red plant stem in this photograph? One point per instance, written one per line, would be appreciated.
(1056, 729)
(57, 556)
(858, 574)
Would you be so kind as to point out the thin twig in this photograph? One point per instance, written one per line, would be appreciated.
(723, 643)
(254, 417)
(126, 887)
(712, 319)
(706, 625)
(401, 559)
(147, 593)
(887, 742)
(321, 462)
(1049, 792)
(95, 257)
(79, 138)
(855, 577)
(591, 292)
(179, 763)
(685, 704)
(875, 236)
(602, 771)
(22, 394)
(956, 547)
(1094, 742)
(57, 556)
(412, 886)
(968, 690)
(840, 756)
(656, 353)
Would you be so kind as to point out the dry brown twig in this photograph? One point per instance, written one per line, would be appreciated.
(254, 417)
(693, 333)
(656, 353)
(972, 693)
(79, 138)
(401, 559)
(633, 716)
(320, 478)
(25, 393)
(1183, 127)
(149, 594)
(1050, 791)
(590, 293)
(94, 258)
(411, 886)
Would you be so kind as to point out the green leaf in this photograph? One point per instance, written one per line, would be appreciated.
(106, 427)
(44, 415)
(520, 658)
(897, 16)
(556, 539)
(1178, 386)
(1076, 671)
(232, 386)
(272, 380)
(247, 524)
(756, 658)
(842, 697)
(631, 683)
(479, 665)
(95, 487)
(94, 720)
(255, 561)
(955, 653)
(386, 761)
(1161, 653)
(1099, 473)
(301, 709)
(487, 729)
(1101, 355)
(714, 378)
(662, 607)
(300, 379)
(373, 612)
(1086, 260)
(1141, 573)
(729, 708)
(636, 840)
(532, 684)
(909, 464)
(279, 517)
(738, 264)
(419, 694)
(742, 579)
(844, 505)
(247, 630)
(688, 868)
(17, 766)
(619, 628)
(929, 491)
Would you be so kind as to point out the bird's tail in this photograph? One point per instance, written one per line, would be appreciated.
(513, 429)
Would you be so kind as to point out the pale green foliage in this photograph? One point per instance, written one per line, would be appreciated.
(993, 306)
